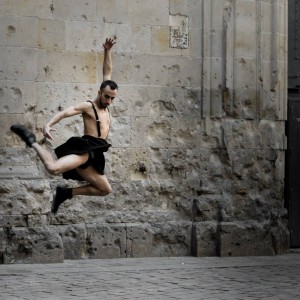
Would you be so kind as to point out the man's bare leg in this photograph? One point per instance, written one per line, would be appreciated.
(53, 166)
(61, 165)
(98, 186)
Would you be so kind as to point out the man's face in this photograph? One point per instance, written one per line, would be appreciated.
(107, 95)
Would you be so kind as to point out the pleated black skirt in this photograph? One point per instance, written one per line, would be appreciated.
(80, 145)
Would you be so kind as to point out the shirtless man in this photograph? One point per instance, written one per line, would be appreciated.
(80, 158)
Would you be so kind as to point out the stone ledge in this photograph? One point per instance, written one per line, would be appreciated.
(54, 243)
(240, 238)
(24, 172)
(13, 220)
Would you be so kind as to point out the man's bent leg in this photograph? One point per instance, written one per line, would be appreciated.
(54, 167)
(98, 184)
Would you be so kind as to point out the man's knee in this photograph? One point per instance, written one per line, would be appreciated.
(106, 190)
(53, 169)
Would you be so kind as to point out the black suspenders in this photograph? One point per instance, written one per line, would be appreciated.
(97, 119)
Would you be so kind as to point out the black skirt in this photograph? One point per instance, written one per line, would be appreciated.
(80, 145)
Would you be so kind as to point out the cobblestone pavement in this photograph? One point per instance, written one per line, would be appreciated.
(187, 278)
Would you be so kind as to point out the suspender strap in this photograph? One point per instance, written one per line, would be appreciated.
(97, 118)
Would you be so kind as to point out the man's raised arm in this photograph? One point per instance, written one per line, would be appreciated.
(107, 62)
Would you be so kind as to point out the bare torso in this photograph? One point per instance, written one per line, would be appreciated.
(90, 124)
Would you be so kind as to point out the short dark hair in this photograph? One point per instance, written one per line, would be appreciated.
(111, 84)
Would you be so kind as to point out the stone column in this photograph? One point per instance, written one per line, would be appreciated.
(244, 97)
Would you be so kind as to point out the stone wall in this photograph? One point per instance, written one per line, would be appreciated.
(198, 129)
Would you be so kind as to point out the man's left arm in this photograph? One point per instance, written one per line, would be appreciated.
(107, 62)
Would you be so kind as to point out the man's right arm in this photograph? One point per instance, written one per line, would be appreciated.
(66, 113)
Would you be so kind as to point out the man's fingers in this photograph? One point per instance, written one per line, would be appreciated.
(49, 136)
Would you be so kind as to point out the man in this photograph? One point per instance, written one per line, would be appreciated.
(80, 158)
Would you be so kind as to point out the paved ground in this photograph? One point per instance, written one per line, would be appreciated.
(187, 278)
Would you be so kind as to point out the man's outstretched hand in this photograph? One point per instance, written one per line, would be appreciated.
(109, 42)
(47, 132)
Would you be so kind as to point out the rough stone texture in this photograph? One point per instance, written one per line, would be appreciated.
(106, 240)
(198, 127)
(32, 245)
(248, 238)
(74, 239)
(205, 238)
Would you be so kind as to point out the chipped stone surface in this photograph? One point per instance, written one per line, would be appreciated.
(179, 32)
(74, 239)
(32, 245)
(198, 127)
(106, 240)
(205, 239)
(247, 238)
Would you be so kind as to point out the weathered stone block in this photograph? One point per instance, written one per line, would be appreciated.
(68, 216)
(16, 97)
(188, 8)
(245, 11)
(74, 10)
(245, 69)
(252, 135)
(33, 245)
(208, 208)
(129, 216)
(76, 40)
(28, 172)
(247, 238)
(18, 63)
(186, 133)
(119, 134)
(62, 94)
(2, 244)
(153, 132)
(74, 240)
(136, 166)
(38, 220)
(106, 240)
(67, 66)
(205, 238)
(171, 239)
(215, 37)
(13, 221)
(153, 101)
(281, 236)
(139, 240)
(51, 35)
(160, 40)
(179, 31)
(33, 8)
(20, 197)
(151, 239)
(165, 71)
(18, 31)
(134, 12)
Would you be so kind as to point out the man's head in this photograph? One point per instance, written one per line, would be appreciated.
(107, 93)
